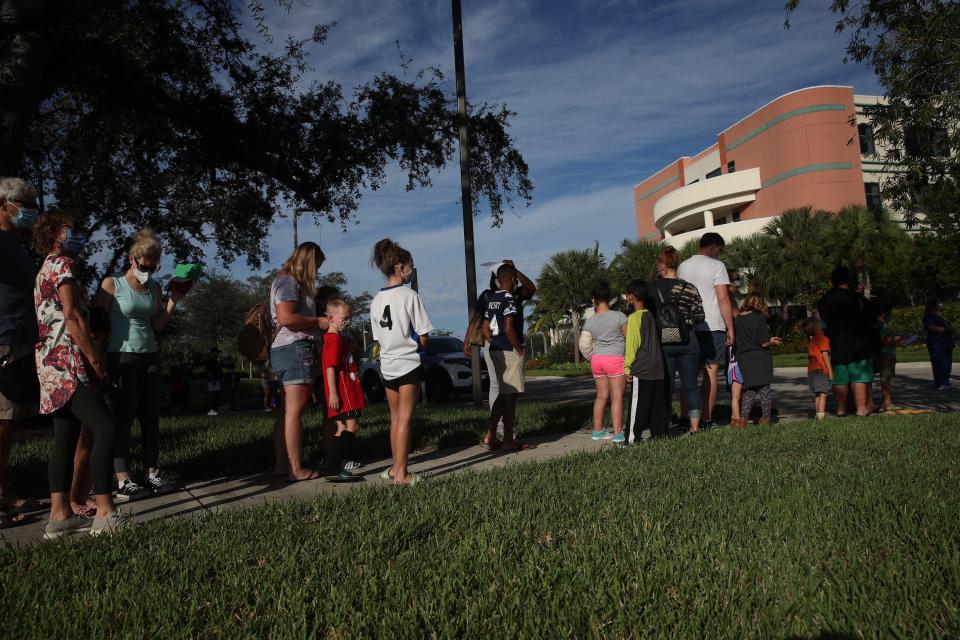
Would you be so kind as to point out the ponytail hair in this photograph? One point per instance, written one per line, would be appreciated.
(387, 254)
(669, 257)
(146, 244)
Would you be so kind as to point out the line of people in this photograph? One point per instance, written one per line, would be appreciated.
(93, 368)
(685, 324)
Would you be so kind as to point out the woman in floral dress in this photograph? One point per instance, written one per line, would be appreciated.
(71, 372)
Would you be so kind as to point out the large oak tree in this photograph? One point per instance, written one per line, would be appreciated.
(168, 113)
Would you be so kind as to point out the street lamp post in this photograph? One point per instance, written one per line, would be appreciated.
(296, 231)
(466, 192)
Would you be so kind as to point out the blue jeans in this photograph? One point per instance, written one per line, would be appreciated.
(941, 359)
(684, 358)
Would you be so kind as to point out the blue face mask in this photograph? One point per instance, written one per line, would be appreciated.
(74, 242)
(26, 218)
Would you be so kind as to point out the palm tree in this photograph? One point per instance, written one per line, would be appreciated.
(741, 255)
(690, 248)
(542, 320)
(636, 259)
(565, 284)
(791, 264)
(863, 239)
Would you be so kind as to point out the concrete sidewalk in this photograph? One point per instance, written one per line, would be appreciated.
(913, 388)
(225, 493)
(792, 401)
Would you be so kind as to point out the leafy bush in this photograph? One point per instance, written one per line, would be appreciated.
(907, 320)
(559, 352)
(569, 366)
(533, 363)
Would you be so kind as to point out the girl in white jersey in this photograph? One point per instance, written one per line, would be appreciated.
(400, 325)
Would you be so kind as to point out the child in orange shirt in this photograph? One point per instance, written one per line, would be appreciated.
(819, 369)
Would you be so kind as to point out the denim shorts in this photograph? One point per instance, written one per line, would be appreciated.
(713, 347)
(296, 363)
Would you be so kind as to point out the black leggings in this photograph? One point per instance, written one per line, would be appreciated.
(136, 395)
(88, 408)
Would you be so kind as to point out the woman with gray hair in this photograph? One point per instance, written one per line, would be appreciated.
(19, 390)
(138, 311)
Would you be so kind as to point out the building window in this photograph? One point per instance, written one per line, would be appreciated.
(736, 216)
(867, 147)
(927, 142)
(731, 166)
(714, 173)
(872, 191)
(722, 220)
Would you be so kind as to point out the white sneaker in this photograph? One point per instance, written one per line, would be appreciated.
(110, 523)
(212, 413)
(57, 528)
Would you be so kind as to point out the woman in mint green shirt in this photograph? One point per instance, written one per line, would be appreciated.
(137, 311)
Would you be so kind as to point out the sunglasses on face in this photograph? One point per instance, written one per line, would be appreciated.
(146, 268)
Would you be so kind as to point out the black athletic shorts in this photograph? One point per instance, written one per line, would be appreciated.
(414, 377)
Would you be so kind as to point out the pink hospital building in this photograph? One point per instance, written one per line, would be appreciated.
(812, 147)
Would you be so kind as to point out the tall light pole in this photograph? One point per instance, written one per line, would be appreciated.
(296, 231)
(466, 193)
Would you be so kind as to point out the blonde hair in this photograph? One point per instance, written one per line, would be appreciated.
(302, 266)
(337, 304)
(146, 244)
(754, 302)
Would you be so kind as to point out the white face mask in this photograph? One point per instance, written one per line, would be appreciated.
(141, 276)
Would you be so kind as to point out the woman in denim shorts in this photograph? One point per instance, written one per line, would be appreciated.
(294, 354)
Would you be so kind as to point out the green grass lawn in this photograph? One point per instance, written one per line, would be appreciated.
(563, 373)
(903, 355)
(779, 360)
(830, 530)
(197, 446)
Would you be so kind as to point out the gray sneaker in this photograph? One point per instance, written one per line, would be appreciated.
(58, 528)
(110, 523)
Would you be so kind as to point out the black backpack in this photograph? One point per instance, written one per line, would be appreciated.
(671, 326)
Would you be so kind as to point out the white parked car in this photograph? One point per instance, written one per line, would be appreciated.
(446, 370)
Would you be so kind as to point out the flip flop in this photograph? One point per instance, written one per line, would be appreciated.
(85, 511)
(520, 446)
(415, 478)
(314, 475)
(26, 506)
(8, 520)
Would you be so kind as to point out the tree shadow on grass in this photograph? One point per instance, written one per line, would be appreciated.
(200, 448)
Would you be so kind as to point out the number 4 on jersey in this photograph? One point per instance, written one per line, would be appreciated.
(386, 321)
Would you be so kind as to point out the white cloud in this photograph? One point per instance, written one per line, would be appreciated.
(605, 94)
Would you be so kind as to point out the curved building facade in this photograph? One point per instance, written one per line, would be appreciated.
(802, 149)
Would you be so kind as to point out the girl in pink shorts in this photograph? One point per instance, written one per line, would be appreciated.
(603, 341)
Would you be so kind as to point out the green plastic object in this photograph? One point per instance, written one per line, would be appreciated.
(188, 271)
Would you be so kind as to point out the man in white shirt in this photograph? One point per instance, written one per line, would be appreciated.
(715, 334)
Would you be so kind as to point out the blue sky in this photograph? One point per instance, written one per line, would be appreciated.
(606, 93)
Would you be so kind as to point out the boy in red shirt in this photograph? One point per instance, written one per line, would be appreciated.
(342, 381)
(819, 369)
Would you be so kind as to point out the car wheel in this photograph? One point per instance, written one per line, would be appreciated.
(373, 388)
